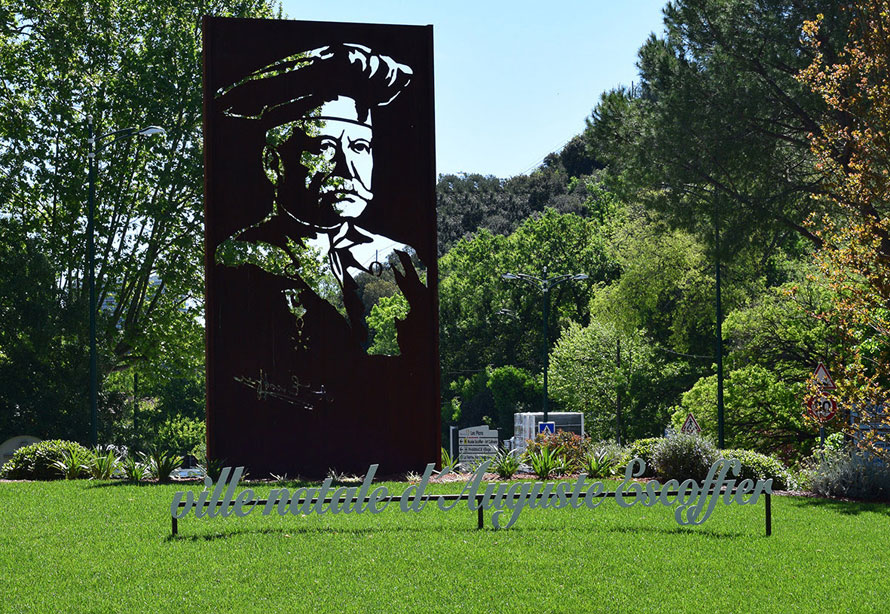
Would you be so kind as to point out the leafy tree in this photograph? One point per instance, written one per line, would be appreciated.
(716, 130)
(468, 203)
(382, 323)
(42, 362)
(124, 64)
(586, 376)
(853, 149)
(776, 330)
(762, 412)
(666, 286)
(486, 320)
(492, 397)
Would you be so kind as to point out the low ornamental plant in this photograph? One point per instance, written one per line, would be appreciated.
(758, 466)
(37, 461)
(161, 464)
(848, 473)
(573, 448)
(505, 463)
(449, 463)
(600, 463)
(105, 464)
(684, 456)
(75, 463)
(134, 470)
(644, 449)
(544, 461)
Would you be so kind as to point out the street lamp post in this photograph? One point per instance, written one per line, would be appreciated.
(545, 284)
(96, 145)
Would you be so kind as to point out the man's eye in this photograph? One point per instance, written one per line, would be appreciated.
(360, 146)
(327, 145)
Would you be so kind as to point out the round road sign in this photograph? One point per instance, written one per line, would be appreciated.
(822, 409)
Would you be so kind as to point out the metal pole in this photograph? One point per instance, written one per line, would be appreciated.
(720, 438)
(618, 390)
(135, 403)
(91, 259)
(546, 289)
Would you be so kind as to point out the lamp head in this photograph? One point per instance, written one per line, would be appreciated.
(151, 130)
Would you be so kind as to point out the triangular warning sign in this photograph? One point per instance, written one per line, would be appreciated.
(690, 426)
(823, 378)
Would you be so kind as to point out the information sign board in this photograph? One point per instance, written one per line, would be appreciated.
(476, 443)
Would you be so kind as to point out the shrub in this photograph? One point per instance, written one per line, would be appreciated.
(684, 456)
(572, 447)
(758, 466)
(180, 435)
(36, 461)
(505, 463)
(641, 448)
(851, 473)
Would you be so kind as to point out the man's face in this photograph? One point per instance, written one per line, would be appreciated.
(346, 158)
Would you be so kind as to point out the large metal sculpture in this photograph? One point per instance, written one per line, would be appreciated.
(319, 171)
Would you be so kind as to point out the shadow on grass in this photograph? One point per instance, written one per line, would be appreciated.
(116, 483)
(848, 508)
(290, 532)
(678, 530)
(361, 531)
(199, 483)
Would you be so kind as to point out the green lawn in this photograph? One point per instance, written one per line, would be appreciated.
(84, 546)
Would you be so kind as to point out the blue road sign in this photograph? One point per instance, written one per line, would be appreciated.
(547, 427)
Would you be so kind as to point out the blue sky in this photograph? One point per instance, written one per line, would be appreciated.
(514, 79)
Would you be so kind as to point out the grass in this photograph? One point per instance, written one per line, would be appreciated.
(82, 546)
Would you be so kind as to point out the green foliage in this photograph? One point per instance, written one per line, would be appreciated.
(43, 364)
(666, 287)
(683, 456)
(180, 435)
(565, 444)
(104, 464)
(644, 449)
(486, 320)
(585, 377)
(743, 153)
(778, 331)
(75, 463)
(505, 463)
(161, 464)
(125, 64)
(600, 463)
(212, 467)
(37, 461)
(545, 461)
(849, 473)
(382, 323)
(468, 203)
(449, 463)
(761, 413)
(493, 395)
(134, 470)
(758, 466)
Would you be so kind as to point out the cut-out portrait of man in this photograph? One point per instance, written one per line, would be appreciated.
(328, 189)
